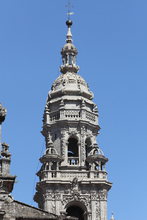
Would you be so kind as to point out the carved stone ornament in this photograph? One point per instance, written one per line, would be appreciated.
(63, 131)
(48, 139)
(49, 196)
(72, 131)
(64, 80)
(94, 197)
(102, 195)
(89, 135)
(98, 211)
(69, 198)
(83, 131)
(63, 147)
(85, 199)
(75, 185)
(57, 196)
(83, 153)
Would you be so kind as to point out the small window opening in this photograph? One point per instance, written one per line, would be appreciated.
(55, 137)
(74, 60)
(52, 151)
(47, 166)
(70, 59)
(73, 150)
(54, 166)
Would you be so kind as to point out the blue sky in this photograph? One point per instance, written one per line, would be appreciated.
(111, 40)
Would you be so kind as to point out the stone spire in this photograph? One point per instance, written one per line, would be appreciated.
(6, 179)
(3, 113)
(69, 34)
(69, 53)
(112, 217)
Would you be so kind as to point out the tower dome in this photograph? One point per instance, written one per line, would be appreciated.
(70, 84)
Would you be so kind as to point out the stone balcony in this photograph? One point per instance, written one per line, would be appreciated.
(73, 114)
(68, 175)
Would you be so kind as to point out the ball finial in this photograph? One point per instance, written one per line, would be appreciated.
(69, 23)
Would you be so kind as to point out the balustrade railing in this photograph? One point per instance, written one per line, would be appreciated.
(53, 174)
(73, 115)
(54, 116)
(100, 175)
(90, 116)
(73, 161)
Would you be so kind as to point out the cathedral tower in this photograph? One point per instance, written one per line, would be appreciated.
(72, 178)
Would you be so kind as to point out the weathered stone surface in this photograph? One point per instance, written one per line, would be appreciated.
(12, 209)
(16, 209)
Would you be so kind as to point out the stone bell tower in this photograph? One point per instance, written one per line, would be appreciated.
(72, 178)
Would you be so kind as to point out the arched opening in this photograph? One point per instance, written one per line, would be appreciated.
(76, 211)
(53, 166)
(73, 151)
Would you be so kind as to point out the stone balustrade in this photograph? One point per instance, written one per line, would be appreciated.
(47, 175)
(74, 114)
(72, 161)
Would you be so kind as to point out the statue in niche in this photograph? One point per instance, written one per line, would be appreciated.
(75, 184)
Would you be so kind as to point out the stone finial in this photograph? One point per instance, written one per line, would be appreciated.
(95, 109)
(112, 217)
(69, 53)
(6, 179)
(83, 103)
(3, 113)
(69, 34)
(49, 141)
(5, 151)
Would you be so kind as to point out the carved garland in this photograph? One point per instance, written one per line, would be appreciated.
(85, 199)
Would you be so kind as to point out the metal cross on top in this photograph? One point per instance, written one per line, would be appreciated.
(69, 7)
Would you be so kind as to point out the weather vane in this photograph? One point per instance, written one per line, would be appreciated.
(69, 7)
